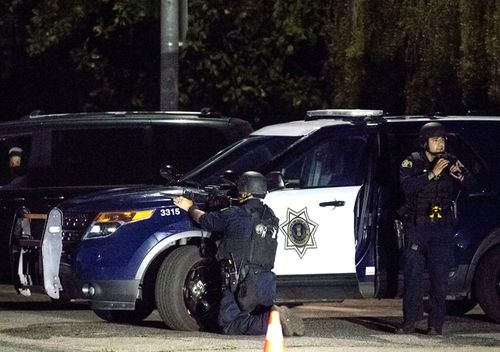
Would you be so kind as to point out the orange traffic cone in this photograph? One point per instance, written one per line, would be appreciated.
(274, 335)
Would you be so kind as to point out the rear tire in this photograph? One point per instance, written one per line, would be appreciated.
(188, 290)
(487, 284)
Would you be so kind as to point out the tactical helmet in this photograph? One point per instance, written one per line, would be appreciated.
(15, 151)
(252, 182)
(429, 130)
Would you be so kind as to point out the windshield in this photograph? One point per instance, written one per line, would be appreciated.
(248, 154)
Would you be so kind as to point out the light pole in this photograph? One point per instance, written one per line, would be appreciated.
(169, 55)
(174, 22)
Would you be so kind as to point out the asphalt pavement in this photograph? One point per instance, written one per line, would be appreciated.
(36, 324)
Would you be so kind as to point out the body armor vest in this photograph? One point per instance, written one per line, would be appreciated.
(260, 248)
(437, 193)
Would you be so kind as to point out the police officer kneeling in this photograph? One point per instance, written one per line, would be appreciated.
(246, 252)
(430, 180)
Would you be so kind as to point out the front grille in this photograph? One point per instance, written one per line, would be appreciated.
(74, 226)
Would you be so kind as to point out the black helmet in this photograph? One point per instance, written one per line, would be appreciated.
(431, 129)
(252, 182)
(15, 151)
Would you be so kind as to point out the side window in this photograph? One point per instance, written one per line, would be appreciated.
(14, 160)
(458, 147)
(483, 139)
(332, 162)
(105, 156)
(185, 145)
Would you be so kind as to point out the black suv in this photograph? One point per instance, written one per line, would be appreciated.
(70, 154)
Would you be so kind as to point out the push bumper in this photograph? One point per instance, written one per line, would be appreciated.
(51, 253)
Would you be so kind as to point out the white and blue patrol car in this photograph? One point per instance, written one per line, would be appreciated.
(333, 180)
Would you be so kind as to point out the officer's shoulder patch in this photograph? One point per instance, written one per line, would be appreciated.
(407, 163)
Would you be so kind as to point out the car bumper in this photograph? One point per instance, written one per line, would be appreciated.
(111, 294)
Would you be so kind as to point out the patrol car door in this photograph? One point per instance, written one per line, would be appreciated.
(316, 240)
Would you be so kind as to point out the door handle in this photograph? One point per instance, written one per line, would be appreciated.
(334, 203)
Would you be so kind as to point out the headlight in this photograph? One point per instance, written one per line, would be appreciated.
(108, 222)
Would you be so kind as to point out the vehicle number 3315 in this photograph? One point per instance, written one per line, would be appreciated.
(170, 212)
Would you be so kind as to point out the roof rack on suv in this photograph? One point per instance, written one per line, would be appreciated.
(39, 114)
(354, 115)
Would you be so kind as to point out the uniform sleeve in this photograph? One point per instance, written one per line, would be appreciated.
(215, 221)
(412, 179)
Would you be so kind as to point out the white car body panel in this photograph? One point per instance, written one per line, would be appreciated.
(329, 247)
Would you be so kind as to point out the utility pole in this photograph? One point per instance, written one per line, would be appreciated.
(169, 59)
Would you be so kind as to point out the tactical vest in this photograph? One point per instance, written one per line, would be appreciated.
(260, 249)
(439, 191)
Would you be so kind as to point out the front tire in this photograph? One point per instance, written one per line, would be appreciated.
(487, 284)
(188, 290)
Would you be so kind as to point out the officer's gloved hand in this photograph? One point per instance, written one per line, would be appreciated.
(441, 164)
(456, 172)
(183, 203)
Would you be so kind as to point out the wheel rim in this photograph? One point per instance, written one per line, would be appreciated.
(202, 290)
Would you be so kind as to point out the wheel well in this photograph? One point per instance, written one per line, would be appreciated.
(489, 243)
(490, 249)
(148, 281)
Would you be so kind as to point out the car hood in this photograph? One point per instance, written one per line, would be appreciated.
(128, 198)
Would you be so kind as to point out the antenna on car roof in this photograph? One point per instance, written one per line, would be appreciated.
(32, 114)
(36, 113)
(209, 112)
(353, 115)
(435, 115)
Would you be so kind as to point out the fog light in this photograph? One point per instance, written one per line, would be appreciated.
(88, 290)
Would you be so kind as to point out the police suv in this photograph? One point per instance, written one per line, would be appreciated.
(334, 185)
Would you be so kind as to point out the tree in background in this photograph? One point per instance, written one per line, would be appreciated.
(263, 60)
(75, 55)
(256, 58)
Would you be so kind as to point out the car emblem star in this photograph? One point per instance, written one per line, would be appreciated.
(299, 231)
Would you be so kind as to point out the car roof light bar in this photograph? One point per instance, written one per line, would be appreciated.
(354, 115)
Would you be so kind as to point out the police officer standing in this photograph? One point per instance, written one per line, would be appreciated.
(430, 180)
(246, 252)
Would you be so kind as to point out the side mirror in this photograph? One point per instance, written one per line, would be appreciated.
(275, 181)
(169, 173)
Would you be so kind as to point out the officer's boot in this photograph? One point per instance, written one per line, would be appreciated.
(406, 328)
(291, 323)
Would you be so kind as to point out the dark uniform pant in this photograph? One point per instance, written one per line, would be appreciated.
(432, 243)
(247, 311)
